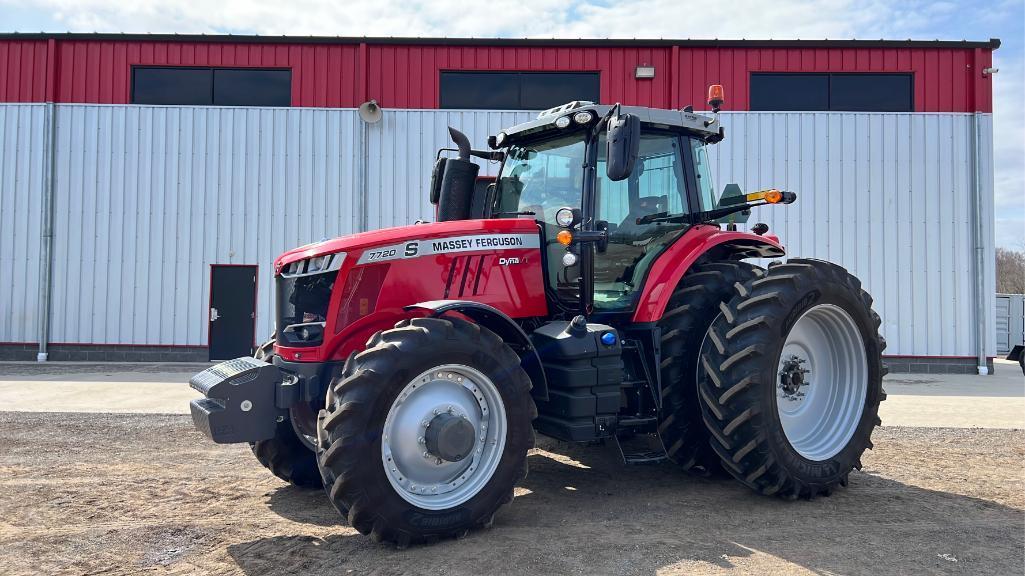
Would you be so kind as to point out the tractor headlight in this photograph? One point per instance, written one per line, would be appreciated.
(569, 259)
(562, 122)
(500, 139)
(564, 217)
(583, 117)
(316, 264)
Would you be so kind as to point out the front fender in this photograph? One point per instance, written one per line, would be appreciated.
(505, 327)
(695, 243)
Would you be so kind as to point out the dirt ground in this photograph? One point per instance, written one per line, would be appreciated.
(126, 494)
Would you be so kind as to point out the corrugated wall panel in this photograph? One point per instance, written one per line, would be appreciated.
(885, 195)
(21, 188)
(100, 71)
(148, 198)
(23, 68)
(402, 151)
(406, 75)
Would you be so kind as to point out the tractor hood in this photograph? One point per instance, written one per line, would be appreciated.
(354, 245)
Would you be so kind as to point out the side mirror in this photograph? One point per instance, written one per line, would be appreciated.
(622, 146)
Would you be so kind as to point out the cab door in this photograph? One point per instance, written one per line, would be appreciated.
(657, 184)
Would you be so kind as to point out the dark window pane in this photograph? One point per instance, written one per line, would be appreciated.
(780, 92)
(870, 92)
(241, 87)
(480, 90)
(172, 86)
(540, 91)
(516, 90)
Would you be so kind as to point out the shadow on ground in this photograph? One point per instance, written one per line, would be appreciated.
(581, 511)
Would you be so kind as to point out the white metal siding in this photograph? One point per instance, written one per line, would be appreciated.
(886, 195)
(148, 197)
(21, 185)
(402, 149)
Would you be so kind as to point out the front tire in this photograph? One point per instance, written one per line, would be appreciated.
(793, 379)
(287, 455)
(385, 471)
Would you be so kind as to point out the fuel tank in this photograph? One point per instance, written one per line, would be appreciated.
(332, 295)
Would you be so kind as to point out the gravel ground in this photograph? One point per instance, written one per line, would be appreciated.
(124, 494)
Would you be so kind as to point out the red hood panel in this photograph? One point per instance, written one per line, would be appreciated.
(356, 243)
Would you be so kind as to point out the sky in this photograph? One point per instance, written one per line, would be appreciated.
(752, 19)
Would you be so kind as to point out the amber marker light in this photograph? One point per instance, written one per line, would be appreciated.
(773, 196)
(565, 237)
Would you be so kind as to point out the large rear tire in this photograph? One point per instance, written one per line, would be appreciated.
(793, 379)
(286, 455)
(691, 310)
(426, 432)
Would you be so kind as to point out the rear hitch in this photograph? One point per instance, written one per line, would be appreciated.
(242, 399)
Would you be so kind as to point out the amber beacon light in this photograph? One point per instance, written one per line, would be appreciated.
(715, 97)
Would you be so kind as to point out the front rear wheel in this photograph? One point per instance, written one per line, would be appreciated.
(793, 379)
(426, 432)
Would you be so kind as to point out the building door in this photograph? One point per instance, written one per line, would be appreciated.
(232, 323)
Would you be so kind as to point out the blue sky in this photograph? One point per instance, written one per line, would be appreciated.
(780, 19)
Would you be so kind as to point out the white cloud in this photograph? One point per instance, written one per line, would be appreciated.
(606, 19)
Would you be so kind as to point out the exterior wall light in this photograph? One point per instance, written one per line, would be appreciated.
(644, 72)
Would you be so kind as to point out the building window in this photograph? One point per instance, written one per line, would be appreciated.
(211, 86)
(516, 90)
(847, 92)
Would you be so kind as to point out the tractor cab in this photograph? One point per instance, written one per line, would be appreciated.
(543, 177)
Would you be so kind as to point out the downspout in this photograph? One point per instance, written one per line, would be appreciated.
(362, 191)
(46, 239)
(980, 251)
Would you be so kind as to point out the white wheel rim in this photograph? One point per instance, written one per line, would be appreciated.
(421, 478)
(821, 414)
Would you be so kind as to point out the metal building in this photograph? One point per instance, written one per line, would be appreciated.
(147, 182)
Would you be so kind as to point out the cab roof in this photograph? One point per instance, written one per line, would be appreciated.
(700, 125)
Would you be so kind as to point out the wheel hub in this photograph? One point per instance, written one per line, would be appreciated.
(444, 436)
(450, 437)
(792, 377)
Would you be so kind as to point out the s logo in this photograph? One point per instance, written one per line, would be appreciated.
(411, 249)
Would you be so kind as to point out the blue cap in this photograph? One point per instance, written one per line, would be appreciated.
(608, 338)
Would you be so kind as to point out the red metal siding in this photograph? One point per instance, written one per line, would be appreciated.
(23, 66)
(406, 75)
(90, 71)
(943, 77)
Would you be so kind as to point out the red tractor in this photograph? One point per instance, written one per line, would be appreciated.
(596, 291)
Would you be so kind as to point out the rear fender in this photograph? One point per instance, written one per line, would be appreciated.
(505, 327)
(696, 243)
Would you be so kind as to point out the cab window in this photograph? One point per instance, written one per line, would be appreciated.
(703, 175)
(656, 185)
